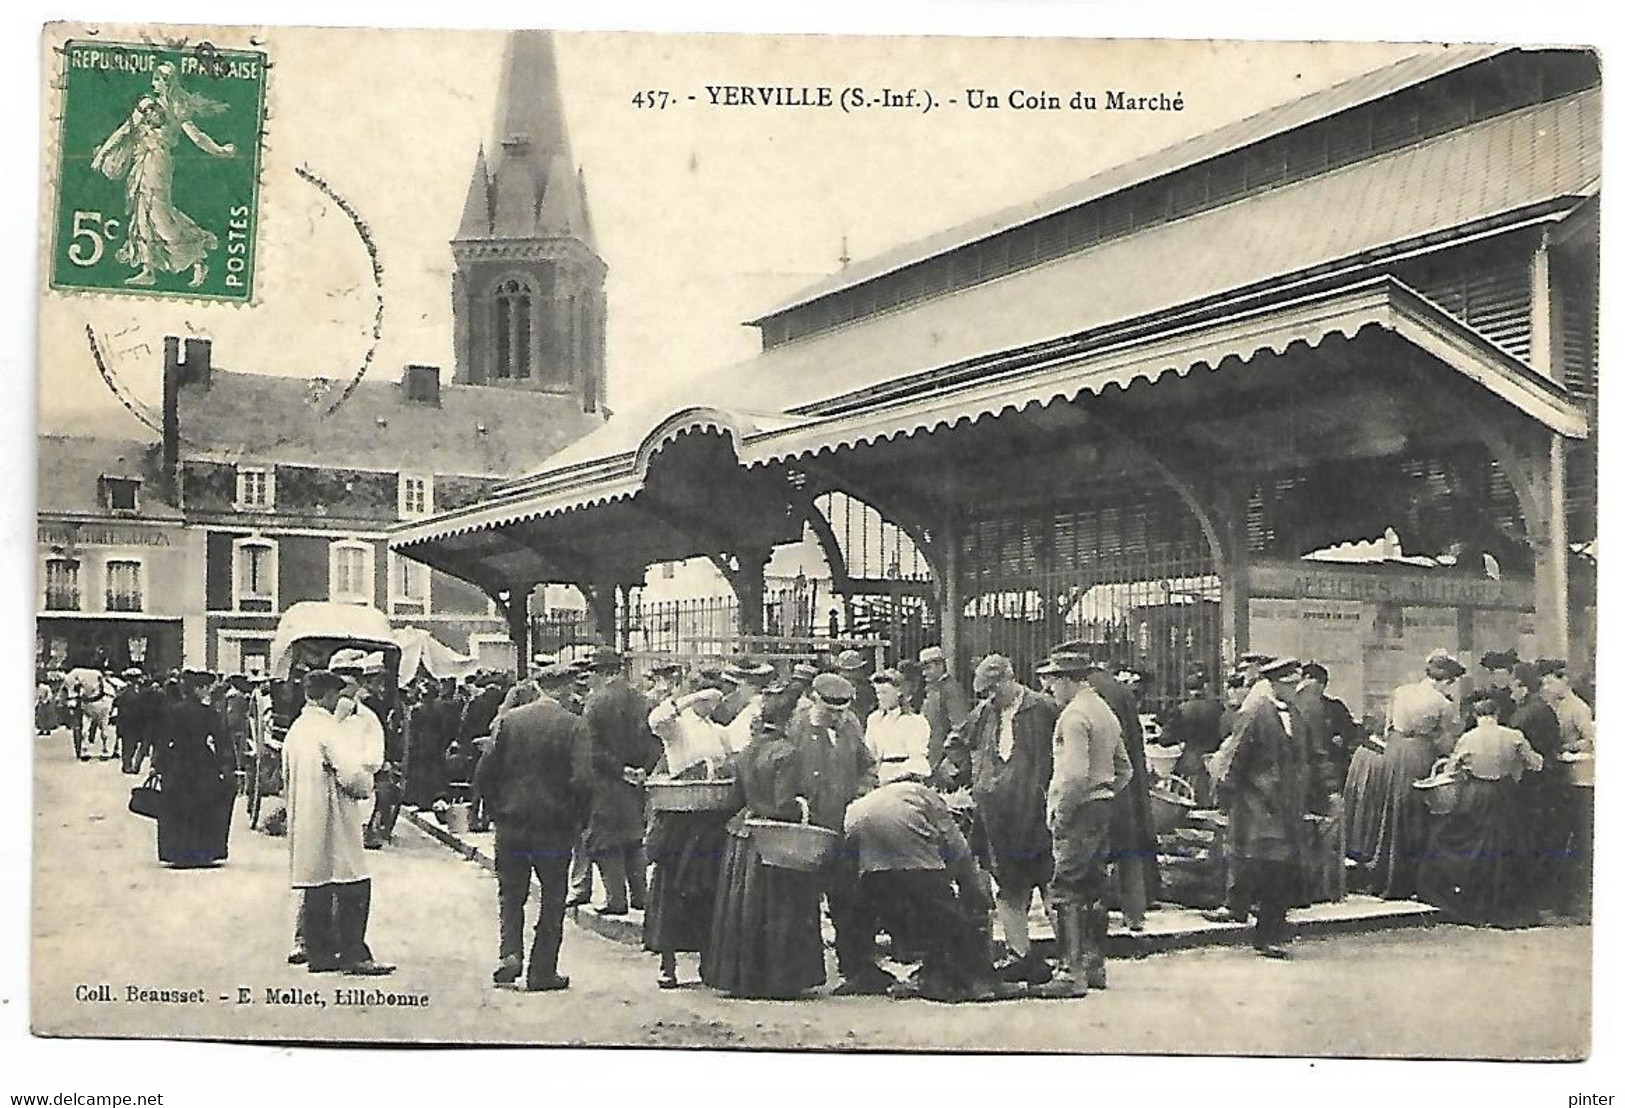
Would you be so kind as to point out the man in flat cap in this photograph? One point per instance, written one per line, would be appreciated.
(624, 750)
(1091, 770)
(852, 665)
(945, 706)
(1578, 733)
(537, 780)
(1274, 778)
(837, 768)
(1007, 743)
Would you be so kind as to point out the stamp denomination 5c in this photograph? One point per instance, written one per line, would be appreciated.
(158, 170)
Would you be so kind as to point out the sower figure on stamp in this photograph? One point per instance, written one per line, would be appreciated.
(1091, 771)
(326, 780)
(141, 152)
(537, 781)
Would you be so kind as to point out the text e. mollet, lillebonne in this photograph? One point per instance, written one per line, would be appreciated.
(342, 996)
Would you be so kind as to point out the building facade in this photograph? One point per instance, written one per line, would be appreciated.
(119, 575)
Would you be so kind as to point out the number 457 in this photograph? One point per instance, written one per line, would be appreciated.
(91, 230)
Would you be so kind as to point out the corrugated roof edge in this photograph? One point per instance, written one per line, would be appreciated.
(1250, 129)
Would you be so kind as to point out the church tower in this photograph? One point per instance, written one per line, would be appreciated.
(528, 284)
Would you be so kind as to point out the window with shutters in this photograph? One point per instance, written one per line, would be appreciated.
(124, 586)
(62, 585)
(349, 572)
(408, 586)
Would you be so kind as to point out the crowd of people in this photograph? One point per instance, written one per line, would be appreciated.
(947, 810)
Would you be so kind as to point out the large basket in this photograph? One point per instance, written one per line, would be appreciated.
(1173, 799)
(1161, 760)
(1440, 788)
(797, 846)
(690, 796)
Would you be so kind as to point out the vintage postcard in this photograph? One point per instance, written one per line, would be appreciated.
(816, 543)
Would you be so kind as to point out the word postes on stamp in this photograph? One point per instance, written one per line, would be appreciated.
(158, 170)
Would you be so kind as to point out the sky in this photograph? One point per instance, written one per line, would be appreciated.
(705, 215)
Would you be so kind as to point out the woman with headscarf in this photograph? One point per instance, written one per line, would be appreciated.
(765, 934)
(685, 848)
(1387, 820)
(1475, 851)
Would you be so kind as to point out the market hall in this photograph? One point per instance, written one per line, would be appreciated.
(1171, 410)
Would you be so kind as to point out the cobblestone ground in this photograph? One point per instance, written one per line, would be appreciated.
(106, 913)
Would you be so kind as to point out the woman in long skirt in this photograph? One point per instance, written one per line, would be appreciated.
(197, 766)
(685, 848)
(765, 935)
(1472, 868)
(1386, 819)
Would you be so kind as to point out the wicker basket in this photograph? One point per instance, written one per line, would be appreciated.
(1440, 788)
(690, 796)
(1173, 799)
(797, 846)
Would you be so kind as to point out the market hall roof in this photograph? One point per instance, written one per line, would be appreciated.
(472, 431)
(1522, 167)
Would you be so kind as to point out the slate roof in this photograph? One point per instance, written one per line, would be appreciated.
(265, 418)
(70, 469)
(1260, 125)
(1493, 169)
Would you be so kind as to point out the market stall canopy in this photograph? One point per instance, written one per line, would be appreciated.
(421, 650)
(348, 624)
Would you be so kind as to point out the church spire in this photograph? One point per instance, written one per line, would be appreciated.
(533, 187)
(476, 223)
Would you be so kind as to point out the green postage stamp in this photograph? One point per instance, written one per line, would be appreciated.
(158, 169)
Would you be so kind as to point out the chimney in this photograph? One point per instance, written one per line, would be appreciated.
(421, 384)
(179, 371)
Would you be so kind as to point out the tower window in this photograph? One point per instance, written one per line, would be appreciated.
(512, 338)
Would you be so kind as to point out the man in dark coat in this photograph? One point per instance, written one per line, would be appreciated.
(837, 768)
(1330, 722)
(1008, 743)
(537, 781)
(478, 715)
(130, 708)
(624, 750)
(944, 706)
(1134, 838)
(1195, 727)
(1273, 779)
(852, 665)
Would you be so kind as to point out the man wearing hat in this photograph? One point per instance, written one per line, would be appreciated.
(837, 768)
(1091, 770)
(852, 665)
(363, 673)
(1274, 777)
(328, 863)
(1007, 743)
(537, 781)
(130, 713)
(624, 750)
(748, 677)
(944, 706)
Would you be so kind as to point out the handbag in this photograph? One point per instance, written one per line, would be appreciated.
(147, 798)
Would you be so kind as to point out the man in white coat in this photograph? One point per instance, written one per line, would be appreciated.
(327, 778)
